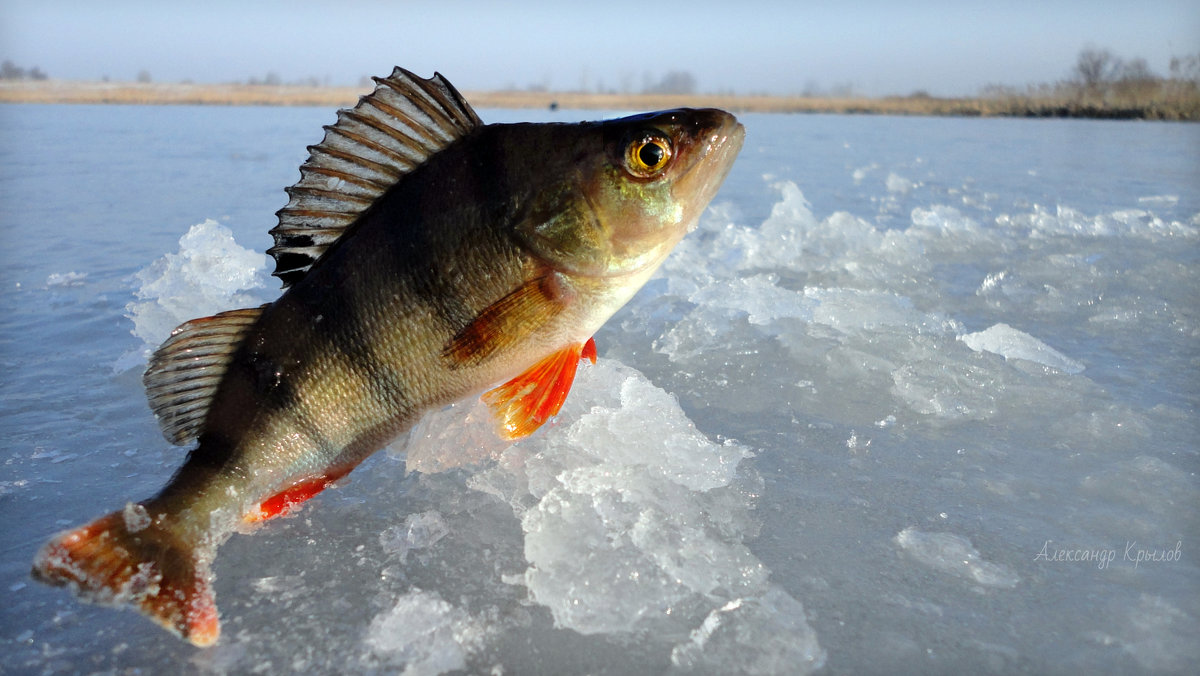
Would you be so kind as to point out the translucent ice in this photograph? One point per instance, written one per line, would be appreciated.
(208, 274)
(755, 636)
(424, 634)
(1011, 343)
(419, 531)
(633, 519)
(955, 555)
(623, 509)
(61, 279)
(896, 183)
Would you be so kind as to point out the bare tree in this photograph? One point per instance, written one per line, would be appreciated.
(674, 82)
(1186, 68)
(1136, 70)
(11, 71)
(1096, 67)
(1136, 80)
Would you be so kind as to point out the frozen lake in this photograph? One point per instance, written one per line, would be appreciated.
(919, 396)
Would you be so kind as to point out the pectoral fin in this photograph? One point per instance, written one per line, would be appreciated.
(509, 320)
(524, 403)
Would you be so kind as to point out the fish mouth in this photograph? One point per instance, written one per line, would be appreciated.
(725, 137)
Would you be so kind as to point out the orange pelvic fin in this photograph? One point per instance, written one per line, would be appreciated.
(125, 559)
(524, 403)
(287, 499)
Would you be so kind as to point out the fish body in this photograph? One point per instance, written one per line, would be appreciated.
(427, 257)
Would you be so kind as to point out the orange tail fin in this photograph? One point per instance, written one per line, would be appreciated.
(117, 561)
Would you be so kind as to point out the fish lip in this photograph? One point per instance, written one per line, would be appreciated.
(725, 138)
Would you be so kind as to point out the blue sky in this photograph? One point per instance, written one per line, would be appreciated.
(775, 46)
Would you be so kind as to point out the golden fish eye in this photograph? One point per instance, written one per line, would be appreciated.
(647, 155)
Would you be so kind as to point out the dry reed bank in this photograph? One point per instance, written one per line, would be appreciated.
(1170, 101)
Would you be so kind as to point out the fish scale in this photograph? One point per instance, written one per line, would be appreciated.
(426, 257)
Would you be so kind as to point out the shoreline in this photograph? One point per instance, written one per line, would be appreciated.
(135, 93)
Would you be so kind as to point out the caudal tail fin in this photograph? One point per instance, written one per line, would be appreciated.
(123, 559)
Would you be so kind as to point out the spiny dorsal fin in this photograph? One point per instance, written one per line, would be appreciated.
(389, 133)
(185, 370)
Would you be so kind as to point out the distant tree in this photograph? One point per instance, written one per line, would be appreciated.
(1186, 68)
(675, 82)
(1096, 67)
(1135, 79)
(1136, 70)
(842, 90)
(10, 71)
(143, 76)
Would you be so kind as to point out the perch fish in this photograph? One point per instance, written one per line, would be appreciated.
(426, 257)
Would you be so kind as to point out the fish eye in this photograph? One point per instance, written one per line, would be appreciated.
(647, 155)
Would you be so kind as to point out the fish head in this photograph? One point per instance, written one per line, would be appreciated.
(633, 188)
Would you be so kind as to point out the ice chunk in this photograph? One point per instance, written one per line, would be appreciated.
(456, 436)
(758, 296)
(419, 531)
(62, 279)
(1011, 343)
(944, 220)
(954, 554)
(625, 525)
(763, 635)
(861, 172)
(630, 515)
(424, 634)
(210, 273)
(136, 517)
(898, 185)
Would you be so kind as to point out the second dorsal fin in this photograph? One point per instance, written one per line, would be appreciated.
(184, 372)
(390, 132)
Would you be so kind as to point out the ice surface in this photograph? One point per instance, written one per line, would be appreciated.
(802, 446)
(1156, 633)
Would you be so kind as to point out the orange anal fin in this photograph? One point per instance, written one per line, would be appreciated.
(526, 402)
(589, 350)
(109, 563)
(283, 502)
